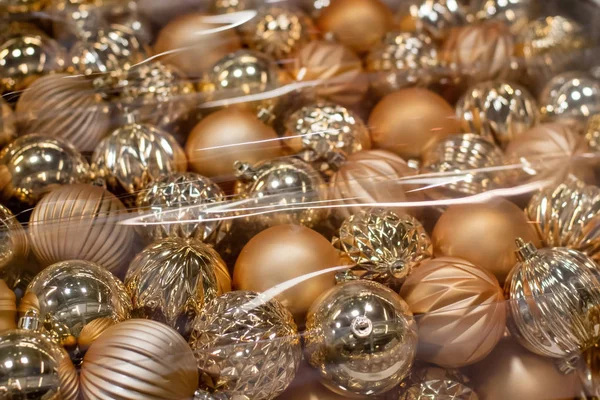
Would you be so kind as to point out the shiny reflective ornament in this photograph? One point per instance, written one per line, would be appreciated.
(361, 337)
(8, 7)
(402, 59)
(329, 71)
(34, 366)
(324, 134)
(81, 222)
(385, 246)
(287, 189)
(171, 280)
(572, 95)
(8, 129)
(497, 110)
(92, 331)
(514, 13)
(65, 107)
(34, 164)
(13, 239)
(435, 17)
(8, 308)
(450, 289)
(277, 31)
(138, 359)
(135, 154)
(546, 285)
(131, 18)
(433, 383)
(466, 165)
(246, 346)
(566, 215)
(230, 6)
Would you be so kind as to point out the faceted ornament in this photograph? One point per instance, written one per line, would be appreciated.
(433, 383)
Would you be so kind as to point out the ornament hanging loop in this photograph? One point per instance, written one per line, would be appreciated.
(362, 327)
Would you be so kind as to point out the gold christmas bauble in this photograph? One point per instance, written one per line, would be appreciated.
(8, 129)
(433, 383)
(8, 7)
(570, 96)
(306, 386)
(13, 244)
(435, 17)
(230, 6)
(515, 13)
(92, 331)
(409, 121)
(8, 308)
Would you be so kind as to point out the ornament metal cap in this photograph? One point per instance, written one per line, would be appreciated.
(525, 250)
(30, 321)
(244, 171)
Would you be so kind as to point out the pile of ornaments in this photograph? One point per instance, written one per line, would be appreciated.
(313, 200)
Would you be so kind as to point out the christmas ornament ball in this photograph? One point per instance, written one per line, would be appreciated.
(433, 383)
(8, 129)
(435, 17)
(14, 243)
(571, 95)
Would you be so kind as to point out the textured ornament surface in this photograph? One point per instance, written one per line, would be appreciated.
(246, 346)
(92, 331)
(572, 95)
(387, 246)
(81, 222)
(171, 280)
(139, 359)
(589, 371)
(450, 289)
(432, 383)
(435, 17)
(65, 107)
(13, 239)
(361, 337)
(34, 164)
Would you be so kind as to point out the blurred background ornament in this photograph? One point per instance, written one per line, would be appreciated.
(278, 31)
(174, 205)
(231, 6)
(92, 331)
(81, 222)
(361, 337)
(497, 110)
(305, 254)
(246, 345)
(435, 17)
(14, 244)
(65, 107)
(571, 95)
(306, 386)
(330, 71)
(433, 383)
(450, 289)
(589, 370)
(8, 129)
(492, 225)
(386, 247)
(358, 24)
(463, 164)
(34, 164)
(402, 59)
(282, 191)
(72, 294)
(592, 133)
(324, 134)
(139, 359)
(409, 121)
(8, 7)
(8, 308)
(135, 154)
(545, 285)
(34, 366)
(514, 13)
(171, 280)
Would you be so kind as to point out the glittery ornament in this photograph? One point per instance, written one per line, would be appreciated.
(13, 239)
(246, 345)
(8, 130)
(592, 133)
(544, 287)
(435, 17)
(230, 6)
(34, 164)
(433, 383)
(515, 13)
(171, 281)
(497, 110)
(572, 95)
(361, 337)
(385, 246)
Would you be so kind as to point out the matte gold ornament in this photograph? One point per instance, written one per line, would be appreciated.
(433, 383)
(450, 289)
(246, 345)
(92, 331)
(545, 285)
(571, 95)
(139, 359)
(515, 13)
(361, 337)
(8, 130)
(171, 280)
(331, 71)
(135, 154)
(277, 31)
(435, 17)
(34, 164)
(65, 107)
(497, 110)
(8, 308)
(402, 59)
(13, 239)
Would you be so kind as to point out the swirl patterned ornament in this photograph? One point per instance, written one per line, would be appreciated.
(246, 346)
(139, 359)
(13, 239)
(433, 383)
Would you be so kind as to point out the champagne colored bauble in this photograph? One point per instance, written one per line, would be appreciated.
(92, 331)
(331, 70)
(358, 24)
(246, 345)
(81, 222)
(34, 366)
(8, 7)
(8, 308)
(284, 253)
(306, 386)
(194, 42)
(34, 164)
(433, 383)
(483, 234)
(410, 120)
(66, 107)
(571, 95)
(450, 289)
(227, 136)
(361, 337)
(171, 280)
(135, 154)
(278, 31)
(371, 177)
(13, 239)
(139, 359)
(435, 17)
(515, 13)
(511, 372)
(8, 129)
